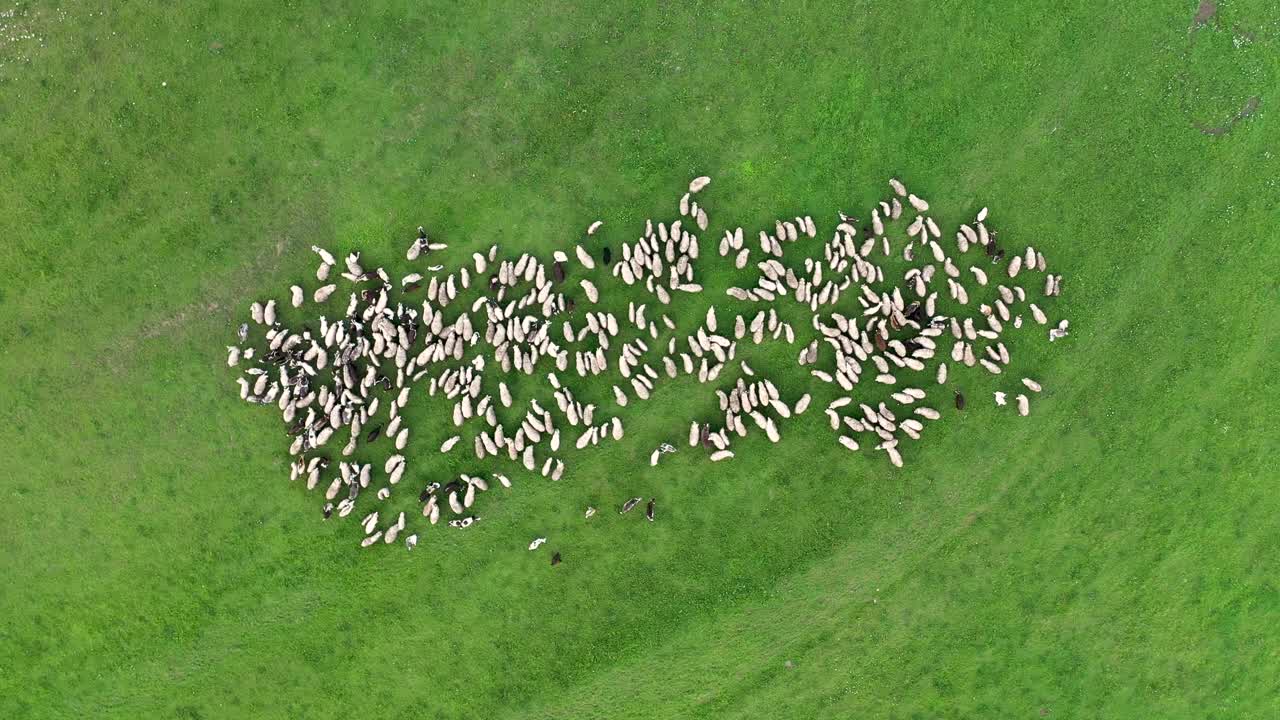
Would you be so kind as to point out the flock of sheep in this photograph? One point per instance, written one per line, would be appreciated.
(342, 377)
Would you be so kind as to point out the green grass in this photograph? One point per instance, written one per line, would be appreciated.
(1112, 556)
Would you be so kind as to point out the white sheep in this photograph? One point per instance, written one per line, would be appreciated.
(322, 294)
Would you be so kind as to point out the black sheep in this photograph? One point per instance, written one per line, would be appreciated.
(959, 400)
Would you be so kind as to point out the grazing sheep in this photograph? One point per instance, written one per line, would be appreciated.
(894, 457)
(322, 294)
(628, 505)
(1024, 405)
(802, 404)
(385, 343)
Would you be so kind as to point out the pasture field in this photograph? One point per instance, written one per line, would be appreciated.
(1112, 555)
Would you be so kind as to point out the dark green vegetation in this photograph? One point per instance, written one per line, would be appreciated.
(1114, 555)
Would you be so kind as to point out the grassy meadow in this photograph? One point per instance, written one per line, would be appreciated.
(1114, 555)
